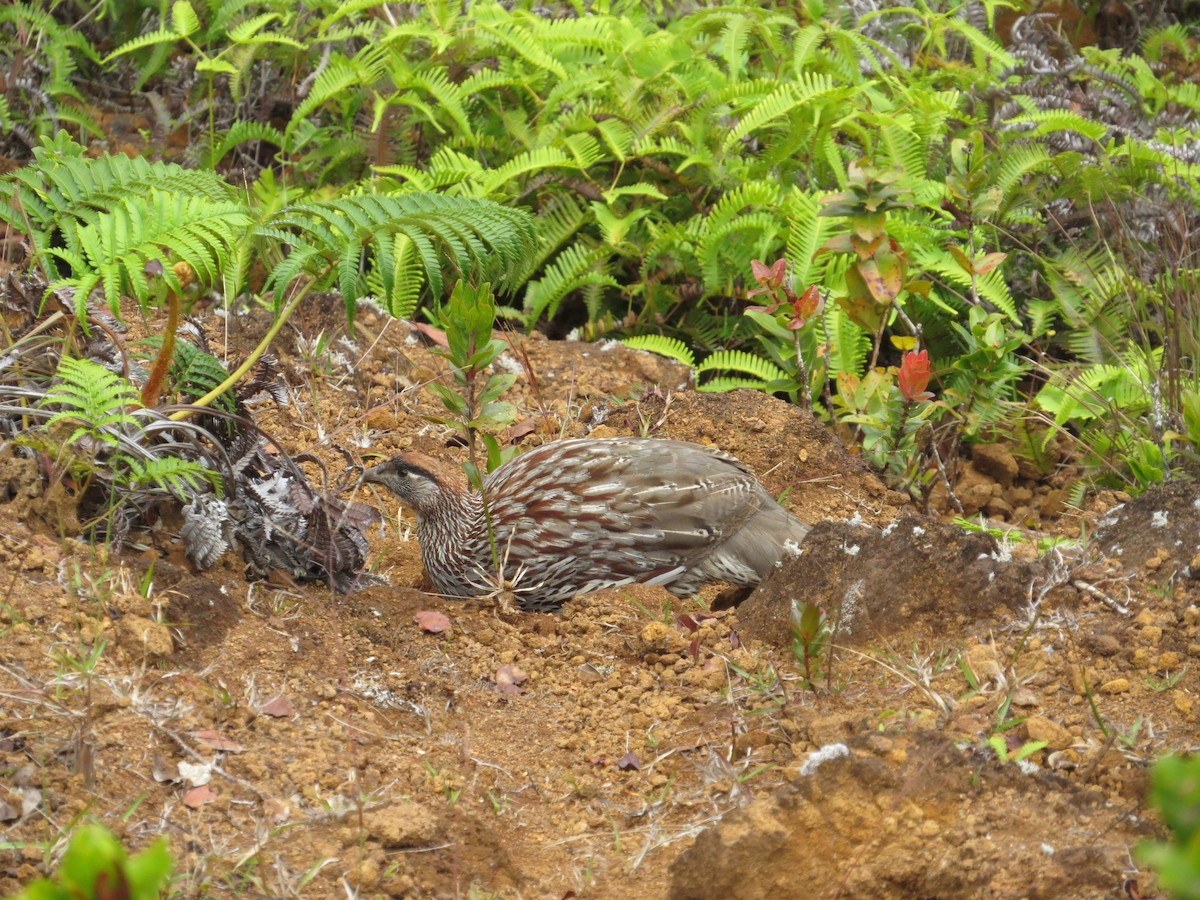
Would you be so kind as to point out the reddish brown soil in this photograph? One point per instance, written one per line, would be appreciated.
(651, 752)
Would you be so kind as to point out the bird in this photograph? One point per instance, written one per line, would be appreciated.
(576, 516)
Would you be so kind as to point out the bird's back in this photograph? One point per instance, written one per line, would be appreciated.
(576, 516)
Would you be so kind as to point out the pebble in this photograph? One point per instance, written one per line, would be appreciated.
(1039, 728)
(1169, 659)
(1116, 686)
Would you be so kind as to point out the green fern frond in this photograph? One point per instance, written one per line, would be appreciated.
(474, 238)
(992, 287)
(670, 347)
(571, 270)
(618, 136)
(531, 161)
(808, 231)
(786, 97)
(741, 361)
(339, 77)
(92, 396)
(1048, 120)
(848, 344)
(732, 242)
(450, 96)
(118, 245)
(519, 40)
(194, 372)
(181, 477)
(240, 133)
(724, 385)
(62, 184)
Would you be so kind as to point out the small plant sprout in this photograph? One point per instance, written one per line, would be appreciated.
(797, 312)
(474, 403)
(1175, 792)
(999, 746)
(811, 632)
(96, 867)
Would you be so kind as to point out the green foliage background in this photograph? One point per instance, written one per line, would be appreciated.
(614, 167)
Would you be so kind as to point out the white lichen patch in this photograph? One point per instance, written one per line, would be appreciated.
(1158, 519)
(824, 755)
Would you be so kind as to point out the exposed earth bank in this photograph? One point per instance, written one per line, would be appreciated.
(292, 742)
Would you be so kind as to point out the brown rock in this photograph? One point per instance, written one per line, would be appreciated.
(996, 461)
(999, 508)
(401, 824)
(1053, 502)
(974, 489)
(1039, 728)
(1116, 686)
(1101, 644)
(1169, 660)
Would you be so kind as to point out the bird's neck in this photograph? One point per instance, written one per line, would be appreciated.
(457, 516)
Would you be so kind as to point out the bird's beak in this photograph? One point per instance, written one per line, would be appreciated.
(373, 476)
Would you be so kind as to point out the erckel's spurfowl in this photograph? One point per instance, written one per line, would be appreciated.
(577, 516)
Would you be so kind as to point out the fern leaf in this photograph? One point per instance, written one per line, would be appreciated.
(93, 396)
(670, 347)
(741, 361)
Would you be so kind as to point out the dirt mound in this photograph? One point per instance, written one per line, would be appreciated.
(1159, 531)
(917, 575)
(912, 816)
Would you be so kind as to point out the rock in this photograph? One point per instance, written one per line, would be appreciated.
(1053, 502)
(998, 508)
(1169, 660)
(1039, 728)
(974, 489)
(1116, 686)
(1101, 644)
(984, 662)
(996, 461)
(401, 824)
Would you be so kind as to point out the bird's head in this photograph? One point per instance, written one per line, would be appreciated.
(421, 483)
